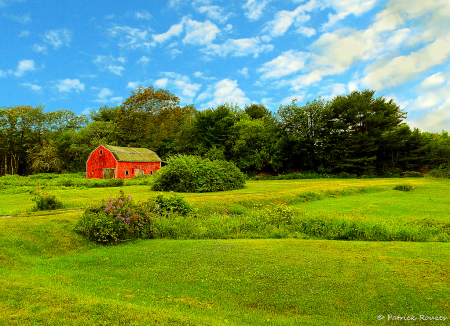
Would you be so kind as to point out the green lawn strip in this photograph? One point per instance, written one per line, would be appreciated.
(429, 201)
(254, 191)
(239, 282)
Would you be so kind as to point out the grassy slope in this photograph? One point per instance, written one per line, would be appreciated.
(49, 275)
(282, 190)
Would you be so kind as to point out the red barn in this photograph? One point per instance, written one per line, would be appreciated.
(108, 162)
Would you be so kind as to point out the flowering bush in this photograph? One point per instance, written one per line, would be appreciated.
(115, 219)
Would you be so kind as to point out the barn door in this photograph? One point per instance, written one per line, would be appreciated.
(109, 173)
(136, 172)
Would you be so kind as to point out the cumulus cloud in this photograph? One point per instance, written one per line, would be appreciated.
(144, 14)
(69, 85)
(24, 34)
(199, 33)
(433, 81)
(402, 68)
(33, 87)
(239, 48)
(131, 38)
(224, 91)
(106, 95)
(174, 30)
(58, 37)
(39, 48)
(24, 66)
(181, 85)
(214, 12)
(244, 72)
(287, 63)
(284, 19)
(144, 60)
(110, 63)
(254, 8)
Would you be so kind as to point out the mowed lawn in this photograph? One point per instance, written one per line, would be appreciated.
(51, 276)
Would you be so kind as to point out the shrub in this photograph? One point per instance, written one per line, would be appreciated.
(114, 220)
(412, 174)
(169, 204)
(45, 201)
(186, 173)
(404, 187)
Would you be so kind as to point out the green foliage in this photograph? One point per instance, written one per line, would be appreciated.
(173, 204)
(114, 220)
(442, 172)
(46, 201)
(186, 173)
(403, 187)
(412, 174)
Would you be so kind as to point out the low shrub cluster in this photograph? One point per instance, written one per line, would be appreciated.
(403, 187)
(115, 219)
(442, 172)
(120, 218)
(304, 175)
(46, 201)
(411, 174)
(185, 173)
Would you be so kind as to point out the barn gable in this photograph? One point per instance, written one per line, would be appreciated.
(131, 154)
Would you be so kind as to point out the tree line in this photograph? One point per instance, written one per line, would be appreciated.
(357, 133)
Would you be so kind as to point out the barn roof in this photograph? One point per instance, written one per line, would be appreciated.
(132, 154)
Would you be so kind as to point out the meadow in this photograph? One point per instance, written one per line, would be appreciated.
(274, 253)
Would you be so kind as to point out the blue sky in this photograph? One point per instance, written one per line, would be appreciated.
(81, 55)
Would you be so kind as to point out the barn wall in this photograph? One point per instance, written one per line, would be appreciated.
(97, 162)
(131, 166)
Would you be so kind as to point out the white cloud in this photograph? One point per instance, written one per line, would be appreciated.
(24, 19)
(144, 60)
(308, 32)
(356, 7)
(254, 8)
(117, 70)
(181, 85)
(199, 33)
(402, 68)
(134, 85)
(24, 66)
(33, 87)
(285, 64)
(106, 95)
(144, 14)
(3, 73)
(58, 37)
(110, 63)
(131, 38)
(161, 83)
(69, 85)
(4, 3)
(244, 72)
(224, 91)
(201, 75)
(433, 81)
(284, 19)
(24, 34)
(174, 30)
(239, 47)
(214, 12)
(39, 48)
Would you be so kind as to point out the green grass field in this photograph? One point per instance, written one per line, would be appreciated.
(50, 275)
